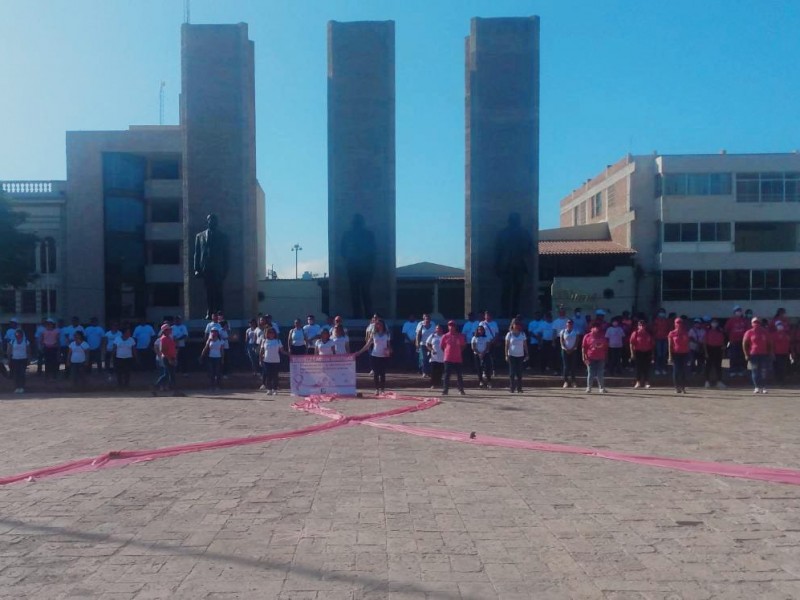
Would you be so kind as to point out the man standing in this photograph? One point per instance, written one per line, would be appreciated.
(453, 347)
(144, 334)
(424, 329)
(94, 337)
(312, 331)
(410, 341)
(180, 333)
(735, 328)
(496, 343)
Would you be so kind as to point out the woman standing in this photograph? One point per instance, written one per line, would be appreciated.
(251, 344)
(19, 354)
(678, 352)
(481, 347)
(642, 343)
(124, 355)
(713, 344)
(215, 351)
(270, 357)
(595, 354)
(516, 351)
(49, 340)
(77, 353)
(436, 354)
(297, 338)
(380, 342)
(568, 338)
(341, 343)
(324, 346)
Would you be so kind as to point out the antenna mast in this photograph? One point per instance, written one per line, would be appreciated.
(161, 103)
(187, 11)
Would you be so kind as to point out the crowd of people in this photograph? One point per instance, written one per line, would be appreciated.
(572, 346)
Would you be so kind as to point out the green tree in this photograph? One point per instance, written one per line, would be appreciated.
(17, 263)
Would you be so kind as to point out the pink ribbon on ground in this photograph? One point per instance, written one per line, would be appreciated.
(316, 405)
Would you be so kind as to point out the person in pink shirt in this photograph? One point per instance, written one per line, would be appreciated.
(453, 343)
(735, 328)
(595, 354)
(642, 344)
(757, 348)
(781, 350)
(678, 348)
(50, 347)
(713, 344)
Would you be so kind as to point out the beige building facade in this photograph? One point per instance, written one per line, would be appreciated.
(710, 231)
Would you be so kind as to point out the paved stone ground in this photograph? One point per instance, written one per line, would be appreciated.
(362, 514)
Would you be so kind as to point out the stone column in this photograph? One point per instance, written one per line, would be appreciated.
(361, 168)
(502, 165)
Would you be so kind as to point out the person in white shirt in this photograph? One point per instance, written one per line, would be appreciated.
(19, 354)
(516, 351)
(124, 354)
(180, 333)
(423, 331)
(215, 351)
(492, 330)
(109, 340)
(312, 331)
(144, 334)
(341, 343)
(570, 353)
(434, 344)
(547, 335)
(481, 348)
(251, 346)
(94, 337)
(381, 343)
(297, 338)
(325, 346)
(270, 356)
(409, 332)
(77, 357)
(534, 338)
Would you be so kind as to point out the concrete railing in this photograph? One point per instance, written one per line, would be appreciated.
(33, 188)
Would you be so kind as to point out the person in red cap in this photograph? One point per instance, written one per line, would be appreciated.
(453, 343)
(678, 349)
(595, 354)
(757, 348)
(168, 353)
(781, 350)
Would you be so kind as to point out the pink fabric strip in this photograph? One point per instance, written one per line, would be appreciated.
(315, 405)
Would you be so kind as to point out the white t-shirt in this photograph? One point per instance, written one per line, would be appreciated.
(425, 332)
(124, 348)
(111, 339)
(78, 352)
(297, 337)
(251, 335)
(143, 334)
(480, 344)
(410, 331)
(272, 350)
(19, 350)
(491, 328)
(380, 344)
(569, 339)
(311, 331)
(516, 343)
(215, 348)
(180, 333)
(325, 348)
(340, 344)
(437, 354)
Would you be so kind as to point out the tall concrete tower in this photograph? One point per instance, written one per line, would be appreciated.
(502, 165)
(219, 159)
(361, 168)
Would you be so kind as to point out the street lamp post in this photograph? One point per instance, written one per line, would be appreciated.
(296, 249)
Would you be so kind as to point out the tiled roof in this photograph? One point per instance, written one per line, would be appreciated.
(583, 247)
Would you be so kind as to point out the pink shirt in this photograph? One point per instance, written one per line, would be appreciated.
(595, 346)
(759, 341)
(453, 344)
(679, 341)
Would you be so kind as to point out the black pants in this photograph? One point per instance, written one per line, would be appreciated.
(109, 361)
(780, 366)
(614, 361)
(297, 349)
(379, 371)
(122, 367)
(534, 353)
(484, 367)
(714, 364)
(570, 365)
(95, 358)
(437, 369)
(51, 361)
(270, 374)
(515, 366)
(449, 369)
(18, 368)
(643, 361)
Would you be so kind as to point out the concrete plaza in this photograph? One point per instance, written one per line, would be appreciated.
(360, 513)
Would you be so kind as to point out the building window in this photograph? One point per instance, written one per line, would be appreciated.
(672, 232)
(689, 232)
(29, 302)
(768, 187)
(736, 284)
(790, 284)
(706, 285)
(165, 253)
(676, 285)
(611, 196)
(43, 299)
(8, 301)
(715, 232)
(579, 214)
(694, 184)
(165, 169)
(765, 284)
(597, 205)
(165, 211)
(766, 237)
(167, 294)
(47, 255)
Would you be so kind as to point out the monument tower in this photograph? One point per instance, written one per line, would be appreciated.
(361, 168)
(502, 165)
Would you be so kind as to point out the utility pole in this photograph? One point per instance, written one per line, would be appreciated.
(296, 249)
(161, 102)
(187, 11)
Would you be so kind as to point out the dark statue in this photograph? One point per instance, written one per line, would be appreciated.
(211, 262)
(513, 250)
(358, 251)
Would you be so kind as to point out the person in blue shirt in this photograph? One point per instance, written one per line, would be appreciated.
(94, 337)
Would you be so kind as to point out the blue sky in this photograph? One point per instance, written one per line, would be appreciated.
(617, 76)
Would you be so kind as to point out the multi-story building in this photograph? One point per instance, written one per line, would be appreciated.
(710, 231)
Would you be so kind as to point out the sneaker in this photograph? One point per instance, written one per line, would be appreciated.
(262, 388)
(444, 392)
(647, 386)
(588, 390)
(708, 385)
(637, 385)
(757, 391)
(462, 392)
(678, 390)
(721, 385)
(763, 390)
(603, 390)
(565, 386)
